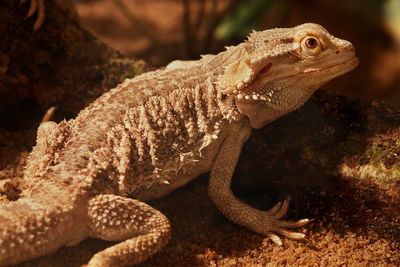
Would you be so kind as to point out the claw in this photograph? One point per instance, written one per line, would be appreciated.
(289, 234)
(275, 208)
(32, 8)
(303, 222)
(39, 7)
(274, 238)
(49, 114)
(299, 223)
(278, 212)
(282, 212)
(41, 15)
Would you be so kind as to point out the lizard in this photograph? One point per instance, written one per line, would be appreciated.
(91, 176)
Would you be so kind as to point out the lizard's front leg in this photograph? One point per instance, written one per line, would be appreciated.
(219, 189)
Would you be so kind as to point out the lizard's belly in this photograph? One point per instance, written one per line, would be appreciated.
(191, 167)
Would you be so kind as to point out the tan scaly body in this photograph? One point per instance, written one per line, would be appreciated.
(89, 177)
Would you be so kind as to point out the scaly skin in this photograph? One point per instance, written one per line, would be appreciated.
(90, 177)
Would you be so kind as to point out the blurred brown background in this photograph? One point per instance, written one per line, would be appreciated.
(161, 31)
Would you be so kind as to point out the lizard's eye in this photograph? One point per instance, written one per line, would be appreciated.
(311, 43)
(310, 46)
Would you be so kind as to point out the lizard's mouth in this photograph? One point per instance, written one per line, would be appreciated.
(338, 68)
(268, 92)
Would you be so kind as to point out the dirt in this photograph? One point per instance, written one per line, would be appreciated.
(203, 237)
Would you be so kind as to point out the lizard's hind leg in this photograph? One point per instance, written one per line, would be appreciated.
(143, 229)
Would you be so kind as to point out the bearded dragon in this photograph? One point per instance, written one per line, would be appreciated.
(91, 176)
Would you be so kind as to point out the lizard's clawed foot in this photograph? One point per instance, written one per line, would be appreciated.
(36, 6)
(279, 227)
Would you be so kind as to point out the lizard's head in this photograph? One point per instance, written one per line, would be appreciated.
(276, 71)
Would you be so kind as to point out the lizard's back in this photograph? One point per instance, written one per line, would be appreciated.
(148, 131)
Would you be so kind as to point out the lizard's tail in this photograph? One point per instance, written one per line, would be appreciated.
(30, 228)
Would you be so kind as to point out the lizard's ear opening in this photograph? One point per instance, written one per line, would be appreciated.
(236, 75)
(242, 72)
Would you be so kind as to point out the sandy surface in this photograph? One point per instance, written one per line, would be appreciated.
(342, 234)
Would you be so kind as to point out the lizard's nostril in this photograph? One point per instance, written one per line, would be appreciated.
(337, 51)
